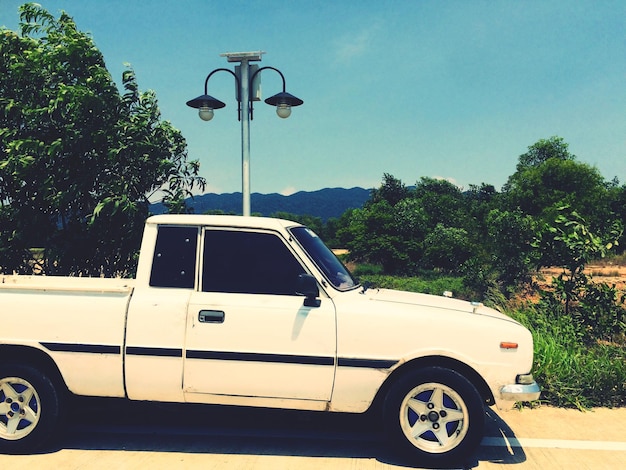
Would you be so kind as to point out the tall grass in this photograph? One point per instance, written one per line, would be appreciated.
(575, 376)
(573, 373)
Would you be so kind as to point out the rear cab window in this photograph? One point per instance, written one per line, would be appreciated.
(174, 262)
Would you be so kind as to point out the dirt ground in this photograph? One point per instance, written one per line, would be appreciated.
(607, 274)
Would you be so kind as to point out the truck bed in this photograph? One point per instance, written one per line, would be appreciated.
(78, 321)
(67, 284)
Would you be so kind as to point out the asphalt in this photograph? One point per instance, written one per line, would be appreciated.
(106, 434)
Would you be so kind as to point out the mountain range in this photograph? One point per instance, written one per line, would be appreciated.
(324, 203)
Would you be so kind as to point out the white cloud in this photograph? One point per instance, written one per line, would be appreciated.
(351, 46)
(449, 179)
(288, 191)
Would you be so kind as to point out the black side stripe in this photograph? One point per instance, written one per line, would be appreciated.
(159, 352)
(291, 359)
(82, 348)
(221, 355)
(254, 357)
(367, 363)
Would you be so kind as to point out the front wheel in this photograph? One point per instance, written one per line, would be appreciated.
(434, 414)
(30, 407)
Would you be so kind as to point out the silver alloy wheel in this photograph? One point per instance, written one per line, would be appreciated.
(434, 418)
(20, 408)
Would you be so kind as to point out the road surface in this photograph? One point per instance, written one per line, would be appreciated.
(109, 434)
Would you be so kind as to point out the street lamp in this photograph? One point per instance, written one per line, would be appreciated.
(245, 75)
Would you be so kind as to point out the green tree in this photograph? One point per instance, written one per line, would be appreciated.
(479, 201)
(78, 160)
(618, 207)
(446, 248)
(543, 150)
(175, 202)
(376, 233)
(372, 235)
(570, 244)
(391, 190)
(549, 177)
(404, 229)
(442, 201)
(510, 243)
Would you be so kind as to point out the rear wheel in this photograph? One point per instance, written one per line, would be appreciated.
(30, 408)
(435, 415)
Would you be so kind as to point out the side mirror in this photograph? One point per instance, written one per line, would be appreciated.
(307, 285)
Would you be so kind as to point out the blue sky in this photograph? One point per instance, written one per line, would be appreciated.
(444, 89)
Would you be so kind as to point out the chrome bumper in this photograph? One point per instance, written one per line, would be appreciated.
(526, 389)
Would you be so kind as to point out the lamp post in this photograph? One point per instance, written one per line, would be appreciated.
(245, 75)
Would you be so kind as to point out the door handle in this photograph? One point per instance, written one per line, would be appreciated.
(211, 316)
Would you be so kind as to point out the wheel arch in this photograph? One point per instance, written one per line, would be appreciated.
(29, 356)
(435, 361)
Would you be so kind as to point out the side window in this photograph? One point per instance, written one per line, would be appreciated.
(174, 262)
(248, 262)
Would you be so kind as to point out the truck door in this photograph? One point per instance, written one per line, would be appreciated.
(157, 316)
(248, 332)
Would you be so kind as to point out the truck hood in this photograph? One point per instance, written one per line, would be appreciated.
(434, 301)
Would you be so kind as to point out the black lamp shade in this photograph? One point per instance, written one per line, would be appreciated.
(283, 98)
(207, 101)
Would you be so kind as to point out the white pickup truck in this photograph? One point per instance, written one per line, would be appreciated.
(256, 312)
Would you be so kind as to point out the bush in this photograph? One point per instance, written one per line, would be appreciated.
(446, 248)
(428, 284)
(601, 312)
(572, 372)
(479, 277)
(365, 269)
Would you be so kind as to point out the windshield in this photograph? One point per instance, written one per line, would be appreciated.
(325, 259)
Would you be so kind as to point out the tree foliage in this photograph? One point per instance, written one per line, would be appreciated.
(554, 148)
(391, 190)
(490, 237)
(549, 177)
(78, 159)
(570, 244)
(372, 234)
(446, 248)
(408, 229)
(511, 235)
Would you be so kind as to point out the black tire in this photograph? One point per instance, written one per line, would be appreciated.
(30, 408)
(434, 415)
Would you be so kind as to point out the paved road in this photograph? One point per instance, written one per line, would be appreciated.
(107, 434)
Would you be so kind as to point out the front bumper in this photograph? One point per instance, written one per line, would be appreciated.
(525, 389)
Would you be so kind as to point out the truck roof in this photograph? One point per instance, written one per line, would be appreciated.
(221, 221)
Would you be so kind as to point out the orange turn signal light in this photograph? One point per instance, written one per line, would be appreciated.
(508, 345)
